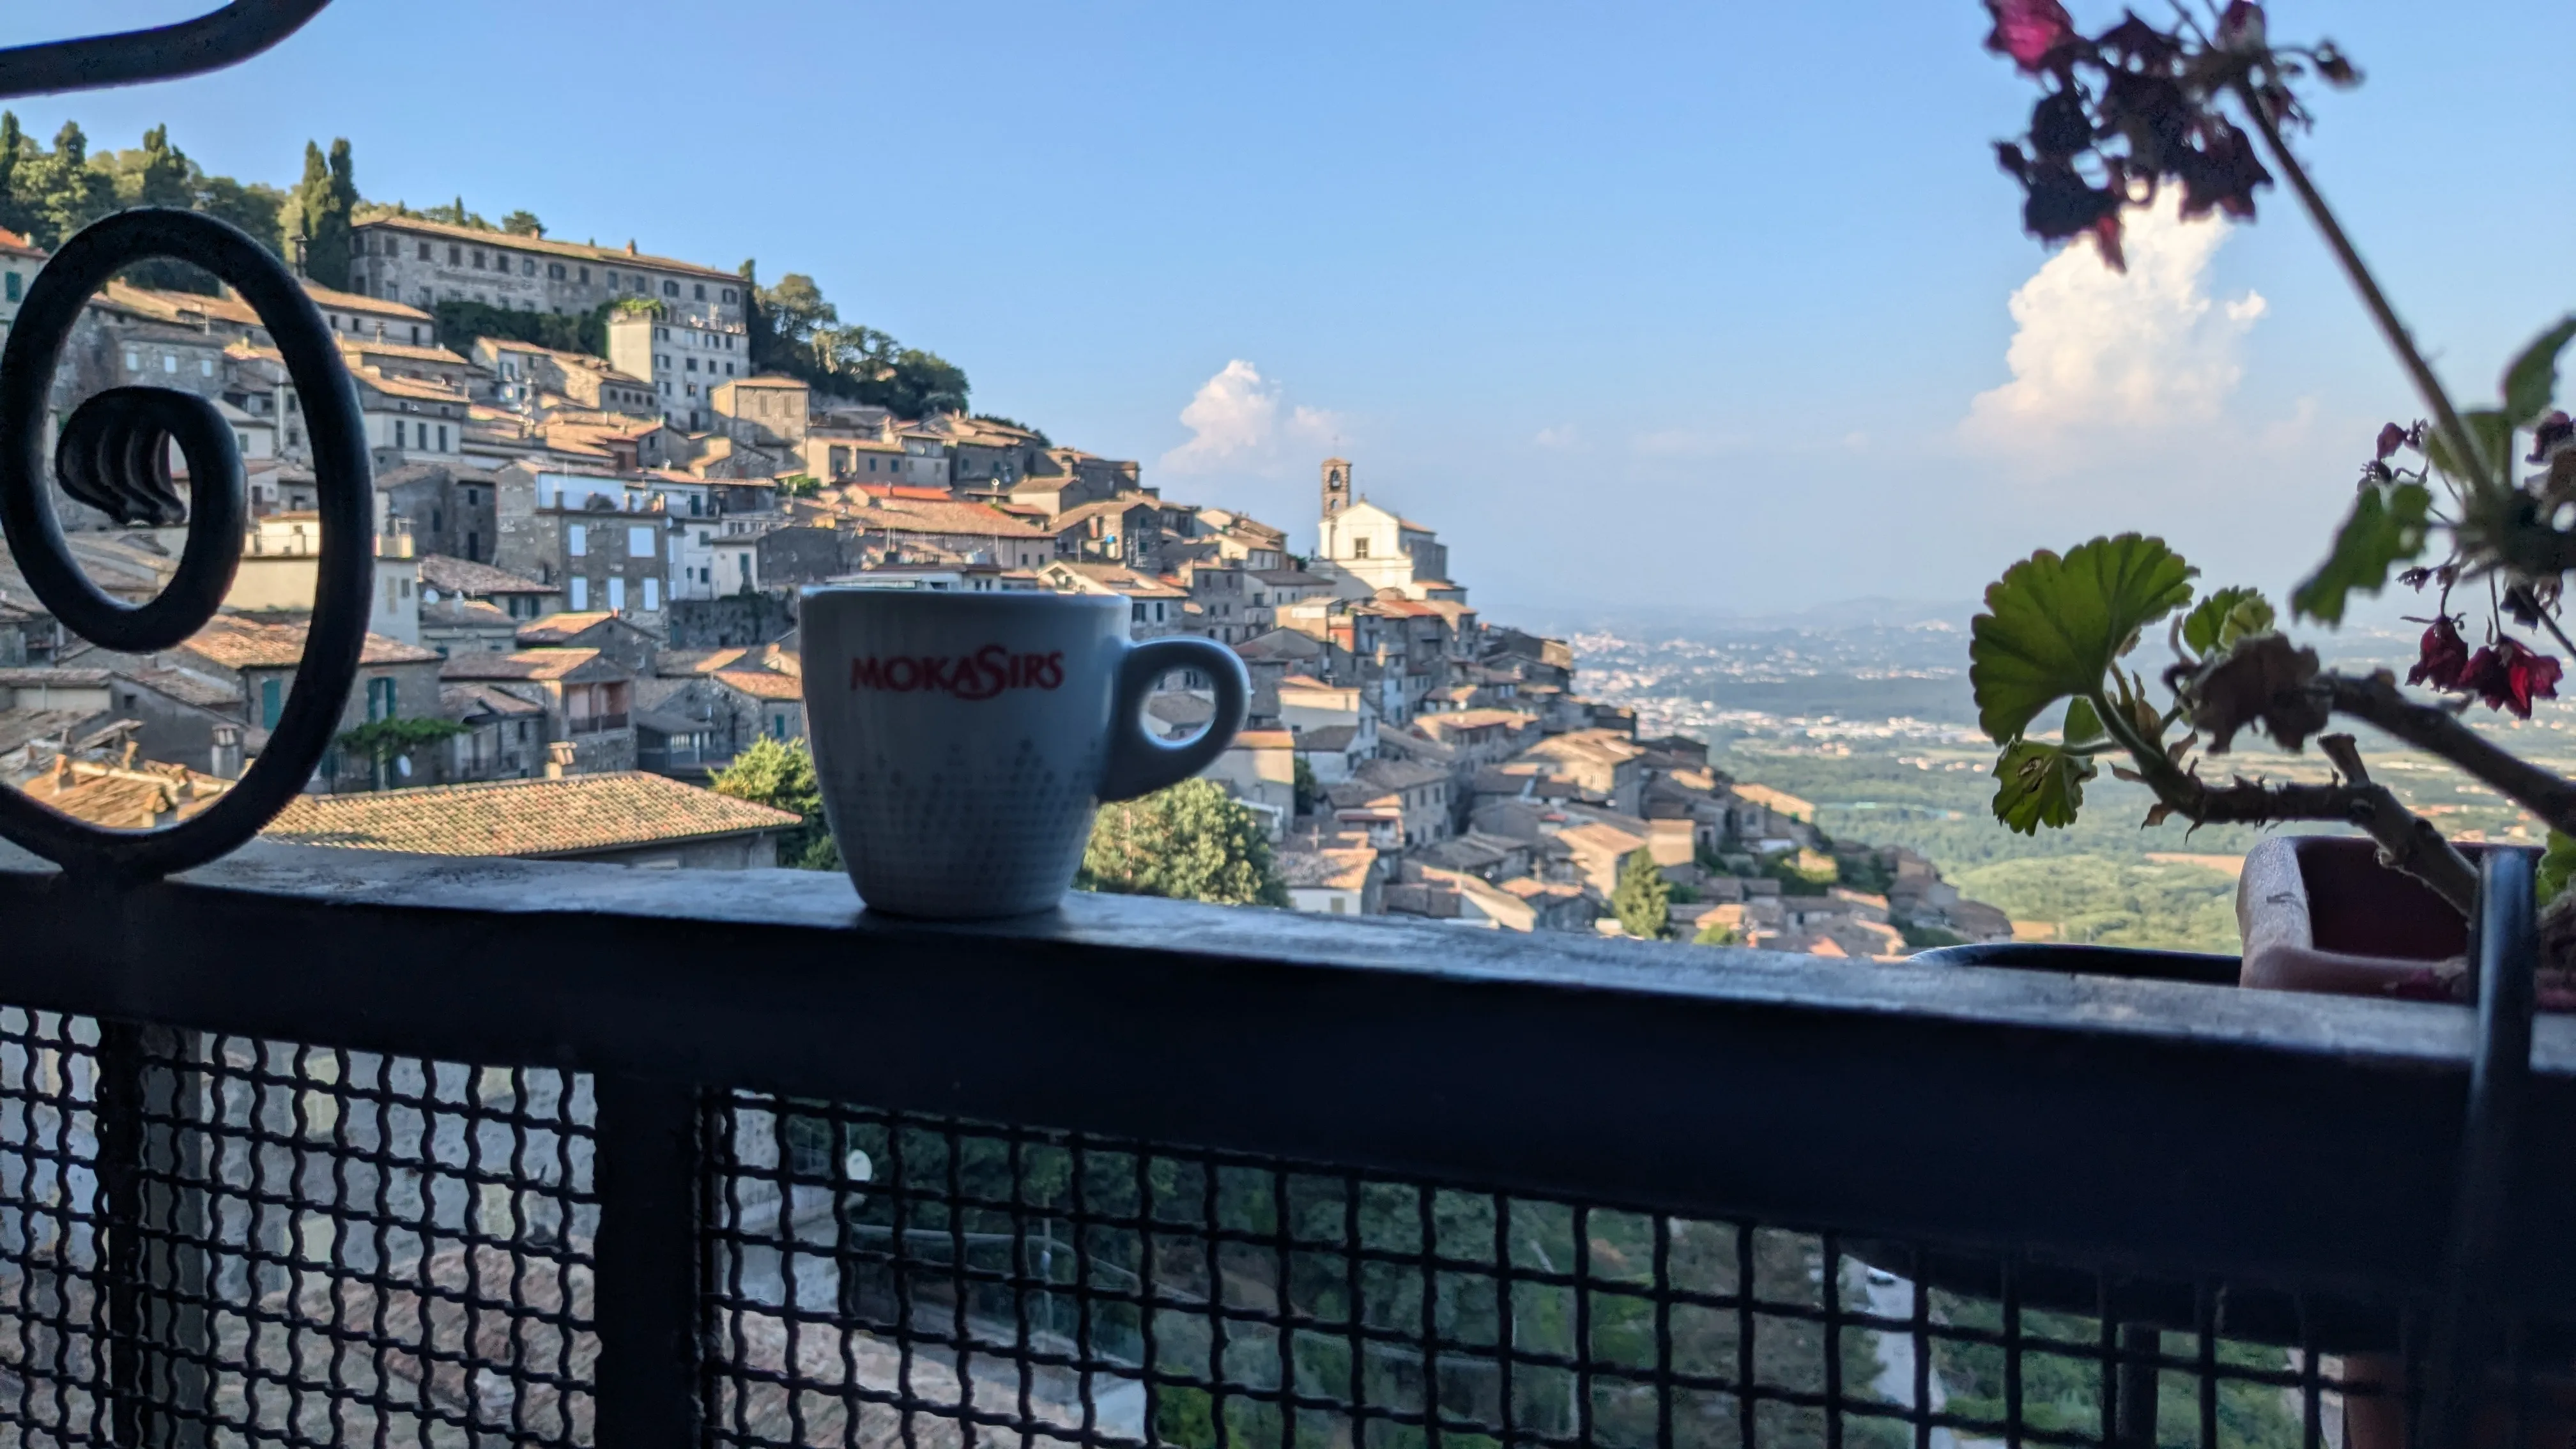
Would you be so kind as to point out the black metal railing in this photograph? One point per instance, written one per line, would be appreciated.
(503, 1152)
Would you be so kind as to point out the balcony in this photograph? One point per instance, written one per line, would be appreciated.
(338, 1147)
(598, 724)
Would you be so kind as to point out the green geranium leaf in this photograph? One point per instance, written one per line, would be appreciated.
(2083, 726)
(2038, 785)
(2054, 625)
(2557, 867)
(2533, 378)
(2386, 529)
(2225, 617)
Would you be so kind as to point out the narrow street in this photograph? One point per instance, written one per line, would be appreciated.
(1895, 1381)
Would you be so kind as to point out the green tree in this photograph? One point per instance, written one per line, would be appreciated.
(1714, 934)
(160, 174)
(15, 213)
(455, 214)
(1643, 899)
(1303, 783)
(255, 206)
(61, 190)
(523, 223)
(461, 321)
(383, 741)
(326, 202)
(796, 330)
(780, 774)
(1192, 842)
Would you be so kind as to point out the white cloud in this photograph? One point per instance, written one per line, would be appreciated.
(1684, 443)
(2097, 354)
(1561, 436)
(1237, 421)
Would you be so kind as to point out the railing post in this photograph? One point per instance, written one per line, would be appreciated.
(153, 1219)
(646, 1290)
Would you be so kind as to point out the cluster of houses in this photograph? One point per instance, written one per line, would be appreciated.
(587, 566)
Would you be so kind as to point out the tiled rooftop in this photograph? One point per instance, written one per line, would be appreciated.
(529, 818)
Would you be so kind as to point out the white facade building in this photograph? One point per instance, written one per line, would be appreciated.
(686, 361)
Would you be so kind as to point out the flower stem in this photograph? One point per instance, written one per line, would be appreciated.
(2401, 341)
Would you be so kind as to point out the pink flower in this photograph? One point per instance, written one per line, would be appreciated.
(2509, 675)
(2029, 31)
(2391, 438)
(2444, 659)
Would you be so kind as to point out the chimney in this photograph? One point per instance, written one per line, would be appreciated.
(558, 759)
(226, 760)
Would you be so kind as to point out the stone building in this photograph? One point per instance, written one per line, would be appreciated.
(601, 555)
(588, 698)
(767, 411)
(686, 359)
(408, 259)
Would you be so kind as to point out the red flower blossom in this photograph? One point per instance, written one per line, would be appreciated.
(2391, 438)
(2241, 28)
(2508, 675)
(2444, 659)
(2029, 31)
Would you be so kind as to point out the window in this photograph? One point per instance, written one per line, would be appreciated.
(702, 292)
(728, 294)
(778, 726)
(670, 289)
(1359, 548)
(380, 700)
(169, 362)
(617, 596)
(639, 541)
(652, 595)
(585, 276)
(706, 576)
(662, 334)
(691, 365)
(577, 540)
(272, 702)
(696, 506)
(442, 437)
(14, 286)
(424, 251)
(398, 432)
(580, 593)
(205, 367)
(554, 271)
(478, 259)
(415, 334)
(528, 267)
(728, 368)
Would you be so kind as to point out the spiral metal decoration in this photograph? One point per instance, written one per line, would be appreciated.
(113, 455)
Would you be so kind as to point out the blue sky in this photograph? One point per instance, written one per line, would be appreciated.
(1641, 305)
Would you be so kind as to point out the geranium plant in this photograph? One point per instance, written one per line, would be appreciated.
(2474, 508)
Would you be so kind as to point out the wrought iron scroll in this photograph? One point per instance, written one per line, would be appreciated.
(237, 32)
(112, 455)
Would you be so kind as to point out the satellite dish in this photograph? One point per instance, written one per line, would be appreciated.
(402, 767)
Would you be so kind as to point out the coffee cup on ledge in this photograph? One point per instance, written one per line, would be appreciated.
(963, 741)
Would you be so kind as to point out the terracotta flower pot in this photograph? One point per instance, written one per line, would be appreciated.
(2320, 913)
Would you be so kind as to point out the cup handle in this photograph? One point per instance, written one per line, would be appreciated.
(1139, 763)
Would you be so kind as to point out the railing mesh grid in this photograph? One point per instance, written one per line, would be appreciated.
(210, 1240)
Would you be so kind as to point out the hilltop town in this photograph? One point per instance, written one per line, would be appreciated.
(586, 573)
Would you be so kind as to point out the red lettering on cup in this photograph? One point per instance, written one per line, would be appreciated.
(981, 675)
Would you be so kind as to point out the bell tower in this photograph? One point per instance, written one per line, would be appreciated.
(1337, 485)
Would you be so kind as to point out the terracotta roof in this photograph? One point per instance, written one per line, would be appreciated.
(557, 627)
(126, 798)
(415, 388)
(467, 611)
(525, 664)
(1469, 719)
(351, 302)
(16, 245)
(20, 727)
(589, 252)
(761, 684)
(767, 379)
(675, 662)
(463, 576)
(1346, 870)
(187, 688)
(370, 346)
(42, 677)
(1264, 740)
(464, 701)
(238, 643)
(906, 514)
(534, 818)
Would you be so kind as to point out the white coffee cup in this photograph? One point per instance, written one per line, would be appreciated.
(964, 741)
